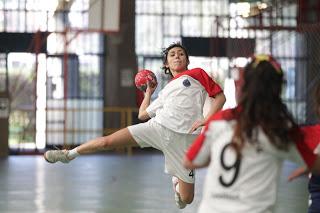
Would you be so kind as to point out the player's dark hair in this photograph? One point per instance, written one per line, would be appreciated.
(165, 52)
(261, 106)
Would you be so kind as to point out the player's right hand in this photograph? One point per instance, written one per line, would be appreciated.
(151, 87)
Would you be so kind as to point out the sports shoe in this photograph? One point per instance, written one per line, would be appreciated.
(54, 156)
(177, 198)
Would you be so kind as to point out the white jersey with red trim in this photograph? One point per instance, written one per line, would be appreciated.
(180, 103)
(245, 185)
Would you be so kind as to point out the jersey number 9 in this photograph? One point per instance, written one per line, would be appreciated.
(235, 166)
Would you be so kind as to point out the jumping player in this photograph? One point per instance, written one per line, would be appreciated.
(176, 117)
(245, 146)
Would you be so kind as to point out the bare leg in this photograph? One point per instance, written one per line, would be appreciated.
(186, 191)
(120, 138)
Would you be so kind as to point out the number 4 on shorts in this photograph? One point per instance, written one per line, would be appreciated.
(191, 174)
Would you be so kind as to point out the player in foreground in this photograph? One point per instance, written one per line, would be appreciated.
(245, 146)
(176, 117)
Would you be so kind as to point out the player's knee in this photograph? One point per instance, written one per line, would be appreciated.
(107, 142)
(187, 198)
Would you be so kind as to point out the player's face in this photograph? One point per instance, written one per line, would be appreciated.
(177, 60)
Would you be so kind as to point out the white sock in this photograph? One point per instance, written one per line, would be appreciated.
(175, 181)
(73, 153)
(177, 188)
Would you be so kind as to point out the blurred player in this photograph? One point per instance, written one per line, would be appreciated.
(310, 133)
(176, 117)
(245, 146)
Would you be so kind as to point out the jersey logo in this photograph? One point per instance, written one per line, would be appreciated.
(186, 83)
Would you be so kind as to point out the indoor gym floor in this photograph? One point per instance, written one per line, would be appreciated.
(109, 183)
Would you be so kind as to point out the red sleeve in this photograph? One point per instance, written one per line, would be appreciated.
(205, 80)
(308, 142)
(311, 135)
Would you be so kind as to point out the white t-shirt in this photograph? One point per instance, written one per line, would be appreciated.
(180, 103)
(248, 185)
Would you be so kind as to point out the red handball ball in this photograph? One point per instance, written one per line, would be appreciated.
(143, 77)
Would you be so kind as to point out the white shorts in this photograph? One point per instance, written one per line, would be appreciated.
(172, 144)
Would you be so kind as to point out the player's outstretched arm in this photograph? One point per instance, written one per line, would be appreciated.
(298, 173)
(216, 106)
(143, 115)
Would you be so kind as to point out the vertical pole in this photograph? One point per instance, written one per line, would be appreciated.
(37, 47)
(65, 85)
(4, 116)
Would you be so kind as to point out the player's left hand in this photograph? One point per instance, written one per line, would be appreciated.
(298, 173)
(196, 125)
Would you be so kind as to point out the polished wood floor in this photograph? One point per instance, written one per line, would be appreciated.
(109, 183)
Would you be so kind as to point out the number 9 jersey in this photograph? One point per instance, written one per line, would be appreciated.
(247, 184)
